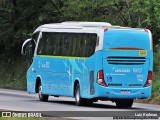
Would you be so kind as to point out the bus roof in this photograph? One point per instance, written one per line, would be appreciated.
(81, 25)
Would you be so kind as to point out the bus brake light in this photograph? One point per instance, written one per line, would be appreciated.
(100, 78)
(149, 79)
(146, 30)
(105, 29)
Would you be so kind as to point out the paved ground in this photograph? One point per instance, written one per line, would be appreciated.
(15, 100)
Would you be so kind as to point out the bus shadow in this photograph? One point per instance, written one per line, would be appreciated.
(94, 105)
(72, 103)
(97, 105)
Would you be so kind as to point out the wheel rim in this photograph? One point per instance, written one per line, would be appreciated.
(40, 91)
(77, 95)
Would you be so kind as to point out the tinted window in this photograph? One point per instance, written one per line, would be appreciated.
(67, 44)
(34, 41)
(35, 37)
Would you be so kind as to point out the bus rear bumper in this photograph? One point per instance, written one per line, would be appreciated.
(123, 93)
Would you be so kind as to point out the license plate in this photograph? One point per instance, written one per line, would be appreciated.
(125, 91)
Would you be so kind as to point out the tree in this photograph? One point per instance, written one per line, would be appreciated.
(18, 18)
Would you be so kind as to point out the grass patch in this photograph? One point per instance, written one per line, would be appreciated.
(13, 73)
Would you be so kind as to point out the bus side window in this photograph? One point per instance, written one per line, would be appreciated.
(30, 47)
(34, 41)
(41, 46)
(86, 44)
(67, 44)
(28, 51)
(91, 43)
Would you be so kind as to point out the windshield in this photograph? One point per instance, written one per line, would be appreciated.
(135, 39)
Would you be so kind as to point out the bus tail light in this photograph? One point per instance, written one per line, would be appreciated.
(146, 30)
(149, 79)
(105, 29)
(100, 78)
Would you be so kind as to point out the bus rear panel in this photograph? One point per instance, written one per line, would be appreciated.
(126, 70)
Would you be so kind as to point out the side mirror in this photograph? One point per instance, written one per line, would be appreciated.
(23, 50)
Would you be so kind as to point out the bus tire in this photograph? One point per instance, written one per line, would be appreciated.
(78, 99)
(42, 97)
(124, 103)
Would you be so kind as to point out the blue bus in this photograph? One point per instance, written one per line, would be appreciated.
(90, 61)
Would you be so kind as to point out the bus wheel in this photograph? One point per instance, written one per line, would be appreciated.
(124, 103)
(78, 99)
(42, 97)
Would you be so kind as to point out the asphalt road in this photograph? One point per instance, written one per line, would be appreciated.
(14, 100)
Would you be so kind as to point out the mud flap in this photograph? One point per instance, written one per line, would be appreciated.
(92, 89)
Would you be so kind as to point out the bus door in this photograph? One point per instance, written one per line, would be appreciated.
(28, 49)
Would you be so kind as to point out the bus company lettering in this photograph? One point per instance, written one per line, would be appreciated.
(122, 70)
(140, 77)
(137, 70)
(46, 65)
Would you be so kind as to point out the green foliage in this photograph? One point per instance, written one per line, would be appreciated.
(18, 18)
(156, 75)
(13, 73)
